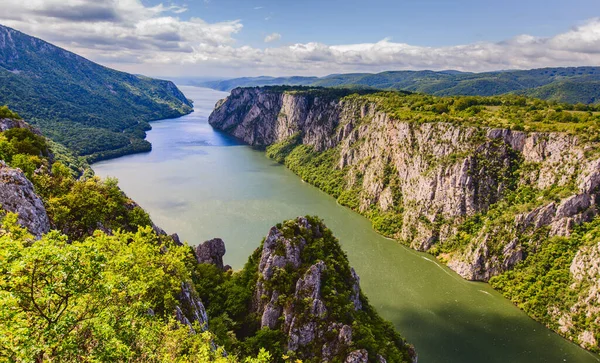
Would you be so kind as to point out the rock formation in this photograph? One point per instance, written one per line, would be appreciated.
(296, 293)
(211, 252)
(17, 196)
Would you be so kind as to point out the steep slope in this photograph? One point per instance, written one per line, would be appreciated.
(452, 176)
(93, 110)
(572, 85)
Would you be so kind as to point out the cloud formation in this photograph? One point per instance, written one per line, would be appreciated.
(272, 37)
(156, 40)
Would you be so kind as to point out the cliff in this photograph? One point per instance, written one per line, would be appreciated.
(483, 199)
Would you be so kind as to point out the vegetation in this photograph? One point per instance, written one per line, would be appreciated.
(103, 285)
(509, 112)
(77, 207)
(104, 299)
(93, 110)
(5, 112)
(572, 85)
(321, 170)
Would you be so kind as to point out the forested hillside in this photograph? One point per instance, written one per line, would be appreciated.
(93, 110)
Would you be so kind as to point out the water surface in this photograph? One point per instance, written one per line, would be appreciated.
(203, 184)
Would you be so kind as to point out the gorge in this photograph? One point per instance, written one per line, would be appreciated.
(204, 184)
(499, 189)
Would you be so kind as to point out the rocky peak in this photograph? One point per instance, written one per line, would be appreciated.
(10, 123)
(303, 276)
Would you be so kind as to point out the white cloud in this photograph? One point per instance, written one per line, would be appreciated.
(101, 29)
(155, 40)
(272, 37)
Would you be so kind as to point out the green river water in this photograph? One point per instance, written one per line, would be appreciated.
(203, 184)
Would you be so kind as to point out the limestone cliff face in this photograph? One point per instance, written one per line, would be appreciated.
(437, 174)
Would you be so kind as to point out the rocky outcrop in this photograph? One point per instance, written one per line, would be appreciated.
(211, 252)
(261, 117)
(438, 174)
(18, 196)
(190, 310)
(294, 293)
(585, 268)
(9, 123)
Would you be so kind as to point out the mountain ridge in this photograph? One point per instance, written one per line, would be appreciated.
(535, 82)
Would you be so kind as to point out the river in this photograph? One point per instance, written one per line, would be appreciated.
(203, 184)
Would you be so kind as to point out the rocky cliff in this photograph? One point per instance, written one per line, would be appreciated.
(480, 198)
(303, 295)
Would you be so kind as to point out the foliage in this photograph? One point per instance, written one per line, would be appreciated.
(93, 110)
(5, 112)
(24, 141)
(77, 164)
(92, 204)
(106, 299)
(23, 149)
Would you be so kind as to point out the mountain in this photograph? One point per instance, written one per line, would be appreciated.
(502, 189)
(571, 85)
(95, 111)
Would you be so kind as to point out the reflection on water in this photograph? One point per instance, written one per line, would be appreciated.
(204, 184)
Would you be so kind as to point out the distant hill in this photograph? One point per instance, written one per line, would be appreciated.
(95, 111)
(229, 84)
(572, 85)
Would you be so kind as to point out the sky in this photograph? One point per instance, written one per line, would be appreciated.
(233, 38)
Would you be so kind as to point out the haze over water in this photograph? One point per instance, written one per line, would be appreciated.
(203, 184)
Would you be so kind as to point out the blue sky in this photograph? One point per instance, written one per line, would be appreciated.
(419, 22)
(228, 37)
